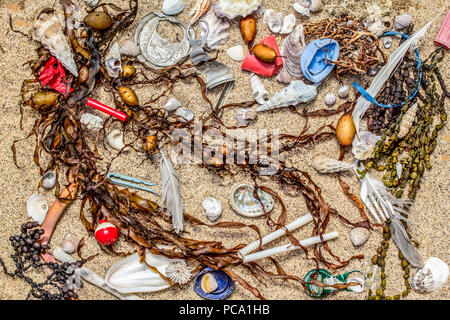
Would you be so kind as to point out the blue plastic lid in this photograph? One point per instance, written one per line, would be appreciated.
(315, 60)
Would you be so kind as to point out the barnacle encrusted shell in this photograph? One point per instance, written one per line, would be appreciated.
(431, 277)
(259, 93)
(178, 272)
(291, 50)
(330, 99)
(113, 61)
(37, 208)
(236, 53)
(244, 116)
(172, 104)
(402, 21)
(218, 30)
(234, 8)
(48, 30)
(327, 165)
(359, 236)
(213, 208)
(273, 20)
(48, 180)
(243, 202)
(407, 120)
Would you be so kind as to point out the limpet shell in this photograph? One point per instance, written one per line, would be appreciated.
(402, 21)
(243, 202)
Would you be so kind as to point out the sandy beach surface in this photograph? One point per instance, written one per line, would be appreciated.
(429, 214)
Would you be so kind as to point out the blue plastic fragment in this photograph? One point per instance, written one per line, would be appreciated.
(224, 282)
(317, 59)
(130, 182)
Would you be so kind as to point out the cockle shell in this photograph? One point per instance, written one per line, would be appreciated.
(402, 21)
(236, 53)
(297, 92)
(291, 50)
(330, 99)
(113, 61)
(115, 139)
(91, 121)
(387, 42)
(37, 208)
(218, 30)
(288, 24)
(48, 180)
(359, 236)
(129, 48)
(209, 283)
(234, 8)
(431, 277)
(70, 244)
(302, 10)
(259, 93)
(172, 7)
(172, 104)
(48, 29)
(243, 202)
(186, 115)
(178, 272)
(213, 208)
(327, 165)
(315, 6)
(407, 120)
(363, 146)
(244, 116)
(273, 20)
(344, 91)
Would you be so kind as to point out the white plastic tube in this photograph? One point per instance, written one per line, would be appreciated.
(297, 223)
(289, 247)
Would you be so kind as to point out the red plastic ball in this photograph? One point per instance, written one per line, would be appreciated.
(106, 233)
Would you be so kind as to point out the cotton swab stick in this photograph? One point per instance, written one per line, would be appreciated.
(288, 247)
(297, 223)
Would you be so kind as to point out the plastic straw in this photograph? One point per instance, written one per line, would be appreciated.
(104, 108)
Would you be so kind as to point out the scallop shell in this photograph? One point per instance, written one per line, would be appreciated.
(209, 283)
(359, 236)
(186, 115)
(236, 53)
(213, 208)
(330, 99)
(297, 92)
(115, 139)
(344, 91)
(243, 202)
(387, 42)
(172, 104)
(291, 50)
(259, 93)
(403, 21)
(129, 48)
(48, 180)
(431, 277)
(172, 7)
(218, 30)
(37, 208)
(113, 61)
(407, 121)
(70, 244)
(302, 10)
(91, 121)
(48, 29)
(273, 20)
(234, 8)
(327, 165)
(244, 116)
(288, 24)
(315, 6)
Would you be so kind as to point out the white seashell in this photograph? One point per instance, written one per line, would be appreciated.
(218, 30)
(387, 42)
(260, 12)
(178, 272)
(213, 208)
(172, 7)
(359, 236)
(48, 29)
(297, 92)
(259, 93)
(327, 165)
(399, 170)
(209, 283)
(113, 61)
(91, 3)
(407, 121)
(344, 91)
(304, 3)
(403, 21)
(172, 104)
(186, 115)
(115, 140)
(243, 202)
(91, 121)
(288, 24)
(236, 53)
(302, 10)
(291, 50)
(330, 99)
(315, 6)
(273, 20)
(363, 146)
(377, 28)
(234, 8)
(431, 277)
(70, 244)
(37, 208)
(244, 116)
(358, 288)
(48, 180)
(129, 48)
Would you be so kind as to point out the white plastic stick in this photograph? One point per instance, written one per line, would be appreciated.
(289, 247)
(297, 223)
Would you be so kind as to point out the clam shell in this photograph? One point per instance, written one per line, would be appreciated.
(235, 8)
(344, 91)
(236, 53)
(327, 165)
(273, 20)
(403, 21)
(259, 93)
(359, 236)
(91, 121)
(186, 115)
(213, 208)
(291, 50)
(244, 116)
(330, 99)
(288, 24)
(243, 202)
(172, 104)
(37, 208)
(218, 30)
(172, 7)
(431, 277)
(48, 180)
(115, 139)
(129, 48)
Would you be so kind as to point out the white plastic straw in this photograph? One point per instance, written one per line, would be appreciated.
(289, 247)
(297, 223)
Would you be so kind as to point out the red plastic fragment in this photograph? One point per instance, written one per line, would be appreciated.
(443, 37)
(252, 64)
(54, 75)
(104, 108)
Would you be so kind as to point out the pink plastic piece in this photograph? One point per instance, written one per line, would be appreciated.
(443, 37)
(252, 64)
